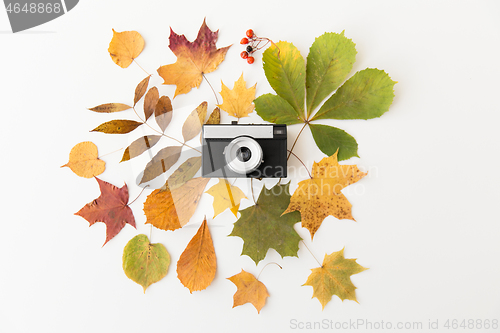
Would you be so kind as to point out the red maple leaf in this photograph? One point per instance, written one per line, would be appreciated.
(111, 208)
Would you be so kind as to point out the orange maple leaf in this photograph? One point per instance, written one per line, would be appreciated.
(193, 59)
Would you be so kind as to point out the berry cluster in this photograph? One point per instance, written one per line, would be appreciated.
(253, 44)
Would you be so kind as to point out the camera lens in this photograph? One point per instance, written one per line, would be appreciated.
(243, 154)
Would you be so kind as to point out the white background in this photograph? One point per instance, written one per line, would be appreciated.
(427, 215)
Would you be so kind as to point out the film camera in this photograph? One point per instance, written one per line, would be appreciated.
(252, 151)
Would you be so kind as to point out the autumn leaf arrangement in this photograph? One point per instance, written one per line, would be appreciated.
(303, 90)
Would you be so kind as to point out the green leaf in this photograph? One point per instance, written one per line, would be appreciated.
(329, 61)
(145, 263)
(368, 94)
(139, 146)
(329, 139)
(262, 227)
(285, 71)
(276, 110)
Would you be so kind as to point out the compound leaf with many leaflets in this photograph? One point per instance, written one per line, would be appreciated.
(250, 290)
(197, 264)
(84, 161)
(194, 59)
(111, 207)
(334, 278)
(143, 262)
(321, 196)
(264, 225)
(172, 209)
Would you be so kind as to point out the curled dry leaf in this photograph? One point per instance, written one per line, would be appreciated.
(321, 196)
(197, 264)
(239, 101)
(139, 146)
(226, 196)
(111, 208)
(110, 107)
(193, 59)
(143, 262)
(161, 163)
(193, 123)
(119, 126)
(83, 160)
(184, 172)
(150, 102)
(250, 290)
(125, 47)
(172, 209)
(163, 112)
(334, 278)
(140, 90)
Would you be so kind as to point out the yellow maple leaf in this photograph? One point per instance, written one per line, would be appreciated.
(334, 278)
(250, 290)
(83, 160)
(239, 101)
(193, 59)
(125, 47)
(225, 196)
(321, 196)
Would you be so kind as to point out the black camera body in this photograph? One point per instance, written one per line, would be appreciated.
(244, 151)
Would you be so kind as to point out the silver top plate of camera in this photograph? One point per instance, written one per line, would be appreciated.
(229, 132)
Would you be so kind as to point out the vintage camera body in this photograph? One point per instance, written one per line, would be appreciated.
(244, 151)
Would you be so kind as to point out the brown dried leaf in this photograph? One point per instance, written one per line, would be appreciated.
(163, 112)
(197, 265)
(119, 126)
(250, 290)
(83, 160)
(125, 47)
(161, 163)
(139, 146)
(110, 107)
(193, 123)
(150, 102)
(140, 90)
(170, 210)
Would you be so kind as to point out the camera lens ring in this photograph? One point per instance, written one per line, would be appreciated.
(231, 155)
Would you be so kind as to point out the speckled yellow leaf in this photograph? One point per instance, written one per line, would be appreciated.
(321, 196)
(226, 196)
(334, 278)
(238, 102)
(83, 160)
(250, 290)
(125, 47)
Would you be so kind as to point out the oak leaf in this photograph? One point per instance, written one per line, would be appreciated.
(334, 278)
(263, 226)
(194, 59)
(172, 209)
(143, 262)
(238, 102)
(197, 264)
(193, 123)
(226, 196)
(111, 207)
(321, 196)
(83, 160)
(250, 290)
(125, 47)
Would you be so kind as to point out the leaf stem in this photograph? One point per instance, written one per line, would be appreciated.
(114, 151)
(145, 71)
(215, 94)
(301, 162)
(269, 263)
(163, 134)
(300, 132)
(137, 196)
(320, 265)
(251, 187)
